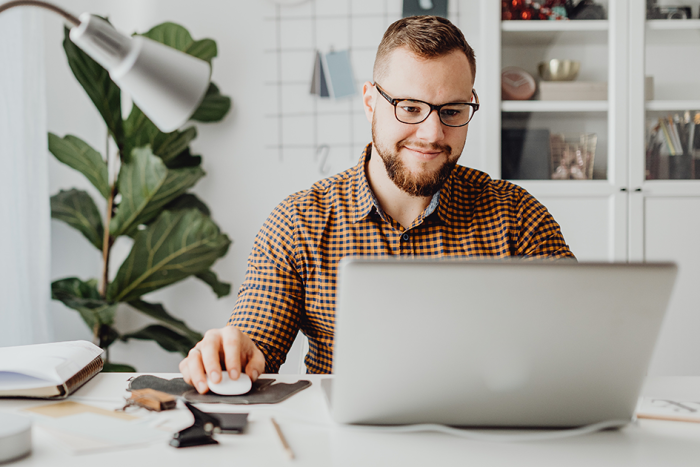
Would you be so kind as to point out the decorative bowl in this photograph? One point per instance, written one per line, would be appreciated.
(558, 70)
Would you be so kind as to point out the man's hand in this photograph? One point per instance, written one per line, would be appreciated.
(228, 345)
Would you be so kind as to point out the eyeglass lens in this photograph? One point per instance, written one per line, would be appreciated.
(408, 111)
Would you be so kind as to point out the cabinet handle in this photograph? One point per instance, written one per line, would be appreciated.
(623, 189)
(637, 189)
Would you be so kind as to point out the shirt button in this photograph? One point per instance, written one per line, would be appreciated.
(405, 237)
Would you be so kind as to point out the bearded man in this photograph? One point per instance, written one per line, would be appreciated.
(406, 197)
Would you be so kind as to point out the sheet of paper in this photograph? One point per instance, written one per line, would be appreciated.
(339, 74)
(86, 432)
(666, 409)
(319, 86)
(67, 408)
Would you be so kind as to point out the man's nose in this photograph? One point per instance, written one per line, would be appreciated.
(431, 128)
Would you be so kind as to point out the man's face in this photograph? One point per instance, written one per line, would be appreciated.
(418, 158)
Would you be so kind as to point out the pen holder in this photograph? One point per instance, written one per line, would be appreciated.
(683, 166)
(572, 156)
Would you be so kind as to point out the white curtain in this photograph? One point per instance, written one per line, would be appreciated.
(24, 183)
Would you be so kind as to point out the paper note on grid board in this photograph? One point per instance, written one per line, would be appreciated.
(332, 75)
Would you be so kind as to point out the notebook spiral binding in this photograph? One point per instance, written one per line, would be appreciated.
(83, 376)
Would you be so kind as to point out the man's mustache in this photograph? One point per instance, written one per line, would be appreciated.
(422, 145)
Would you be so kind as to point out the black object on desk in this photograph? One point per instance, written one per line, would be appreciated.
(200, 433)
(262, 392)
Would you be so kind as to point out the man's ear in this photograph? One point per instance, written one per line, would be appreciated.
(369, 99)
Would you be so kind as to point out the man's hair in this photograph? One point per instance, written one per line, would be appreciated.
(424, 36)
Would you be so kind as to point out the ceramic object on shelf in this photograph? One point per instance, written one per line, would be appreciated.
(517, 84)
(559, 70)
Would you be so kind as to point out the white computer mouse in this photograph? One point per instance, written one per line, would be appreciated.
(230, 387)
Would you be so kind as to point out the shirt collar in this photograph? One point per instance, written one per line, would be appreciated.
(364, 198)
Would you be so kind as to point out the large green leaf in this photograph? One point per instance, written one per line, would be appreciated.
(167, 146)
(77, 154)
(214, 107)
(140, 131)
(107, 335)
(165, 337)
(184, 159)
(77, 209)
(103, 92)
(188, 201)
(177, 245)
(85, 299)
(178, 37)
(182, 202)
(146, 186)
(156, 311)
(221, 289)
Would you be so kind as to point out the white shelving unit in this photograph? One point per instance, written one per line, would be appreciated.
(620, 215)
(592, 213)
(664, 215)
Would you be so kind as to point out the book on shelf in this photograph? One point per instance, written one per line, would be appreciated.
(48, 371)
(573, 91)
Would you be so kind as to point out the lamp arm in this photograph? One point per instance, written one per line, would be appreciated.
(71, 18)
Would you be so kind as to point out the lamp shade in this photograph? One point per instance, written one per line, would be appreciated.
(166, 84)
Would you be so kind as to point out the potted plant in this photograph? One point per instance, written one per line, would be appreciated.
(173, 234)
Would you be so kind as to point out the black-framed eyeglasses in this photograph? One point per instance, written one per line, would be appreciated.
(413, 111)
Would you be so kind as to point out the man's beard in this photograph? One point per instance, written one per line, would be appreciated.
(419, 185)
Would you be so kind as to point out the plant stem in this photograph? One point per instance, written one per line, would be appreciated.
(107, 244)
(107, 239)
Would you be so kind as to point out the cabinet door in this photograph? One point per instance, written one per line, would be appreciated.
(593, 224)
(591, 212)
(671, 225)
(665, 187)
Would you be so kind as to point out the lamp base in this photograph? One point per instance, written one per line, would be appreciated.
(15, 437)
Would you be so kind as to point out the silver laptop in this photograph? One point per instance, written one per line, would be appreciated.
(493, 343)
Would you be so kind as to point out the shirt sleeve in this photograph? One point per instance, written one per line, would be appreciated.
(539, 235)
(270, 301)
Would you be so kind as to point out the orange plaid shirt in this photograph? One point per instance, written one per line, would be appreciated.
(290, 284)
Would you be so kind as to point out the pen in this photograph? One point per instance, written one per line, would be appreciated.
(285, 445)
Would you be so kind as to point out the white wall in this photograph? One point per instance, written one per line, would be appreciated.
(244, 180)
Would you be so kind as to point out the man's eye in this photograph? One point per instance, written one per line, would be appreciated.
(450, 112)
(410, 109)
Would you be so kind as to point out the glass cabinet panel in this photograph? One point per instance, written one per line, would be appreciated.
(561, 131)
(672, 91)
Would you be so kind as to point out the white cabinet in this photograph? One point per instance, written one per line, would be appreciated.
(664, 215)
(626, 212)
(592, 213)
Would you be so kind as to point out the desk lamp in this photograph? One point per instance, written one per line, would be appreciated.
(166, 84)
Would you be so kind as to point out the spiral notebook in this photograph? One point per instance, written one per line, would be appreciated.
(48, 371)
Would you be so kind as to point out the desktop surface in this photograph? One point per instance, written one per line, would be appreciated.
(317, 441)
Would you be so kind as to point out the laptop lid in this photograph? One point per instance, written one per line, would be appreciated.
(494, 343)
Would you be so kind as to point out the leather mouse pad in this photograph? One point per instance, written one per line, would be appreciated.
(262, 392)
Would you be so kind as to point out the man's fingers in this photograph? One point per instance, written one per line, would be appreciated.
(185, 370)
(210, 348)
(231, 342)
(194, 369)
(256, 362)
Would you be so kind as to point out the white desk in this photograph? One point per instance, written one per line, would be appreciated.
(317, 441)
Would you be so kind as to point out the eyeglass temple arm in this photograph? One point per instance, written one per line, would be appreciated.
(71, 18)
